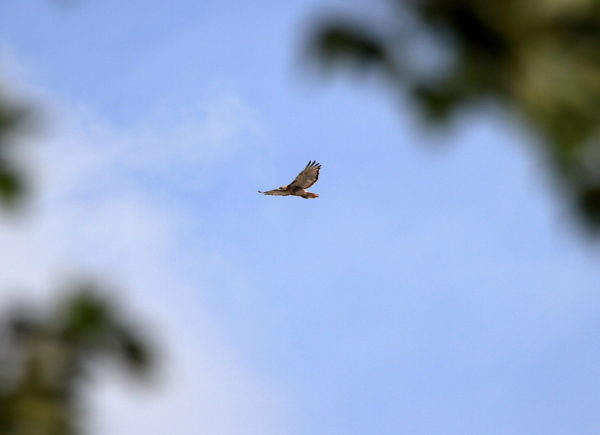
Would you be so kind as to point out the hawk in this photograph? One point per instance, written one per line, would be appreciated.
(305, 179)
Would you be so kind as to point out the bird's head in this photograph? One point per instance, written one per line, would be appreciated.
(282, 188)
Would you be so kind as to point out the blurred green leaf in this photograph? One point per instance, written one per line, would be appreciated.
(539, 58)
(46, 358)
(347, 42)
(15, 121)
(12, 186)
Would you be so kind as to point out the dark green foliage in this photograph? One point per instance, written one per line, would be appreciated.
(539, 58)
(12, 186)
(14, 121)
(46, 358)
(348, 42)
(588, 203)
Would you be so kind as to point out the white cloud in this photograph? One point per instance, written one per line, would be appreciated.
(108, 205)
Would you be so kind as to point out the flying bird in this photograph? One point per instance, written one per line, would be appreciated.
(305, 179)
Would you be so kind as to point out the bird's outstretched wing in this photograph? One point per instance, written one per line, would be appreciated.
(308, 176)
(276, 192)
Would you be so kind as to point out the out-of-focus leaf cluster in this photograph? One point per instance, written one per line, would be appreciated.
(538, 57)
(15, 120)
(47, 357)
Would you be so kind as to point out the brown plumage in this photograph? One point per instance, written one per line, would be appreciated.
(305, 179)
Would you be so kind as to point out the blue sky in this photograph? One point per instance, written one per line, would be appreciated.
(435, 287)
